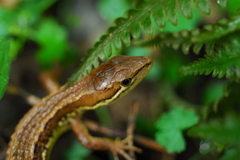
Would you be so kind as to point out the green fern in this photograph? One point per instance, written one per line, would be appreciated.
(225, 62)
(226, 132)
(198, 38)
(223, 133)
(119, 35)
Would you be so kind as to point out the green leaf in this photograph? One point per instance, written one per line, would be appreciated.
(76, 152)
(177, 118)
(173, 140)
(171, 12)
(186, 8)
(185, 47)
(159, 17)
(4, 65)
(197, 47)
(209, 47)
(145, 25)
(183, 22)
(203, 5)
(117, 44)
(135, 31)
(53, 41)
(171, 124)
(223, 3)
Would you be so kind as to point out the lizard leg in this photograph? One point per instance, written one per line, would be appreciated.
(117, 147)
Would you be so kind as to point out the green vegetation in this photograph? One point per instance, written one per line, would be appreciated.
(196, 62)
(170, 127)
(4, 65)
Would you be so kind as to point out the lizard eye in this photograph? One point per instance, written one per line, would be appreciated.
(126, 82)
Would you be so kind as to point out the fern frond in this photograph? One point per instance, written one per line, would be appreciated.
(208, 36)
(226, 132)
(224, 63)
(141, 17)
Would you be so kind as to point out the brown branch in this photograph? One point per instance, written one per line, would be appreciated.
(48, 81)
(149, 143)
(131, 125)
(30, 98)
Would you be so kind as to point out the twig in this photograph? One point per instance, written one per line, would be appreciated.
(131, 125)
(3, 153)
(48, 81)
(146, 142)
(30, 98)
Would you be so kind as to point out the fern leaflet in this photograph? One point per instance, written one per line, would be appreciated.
(224, 63)
(197, 38)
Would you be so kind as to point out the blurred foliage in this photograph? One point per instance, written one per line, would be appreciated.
(76, 152)
(53, 41)
(23, 20)
(4, 65)
(213, 92)
(226, 132)
(170, 127)
(196, 64)
(18, 23)
(112, 9)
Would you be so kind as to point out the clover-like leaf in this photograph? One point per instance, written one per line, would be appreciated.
(170, 126)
